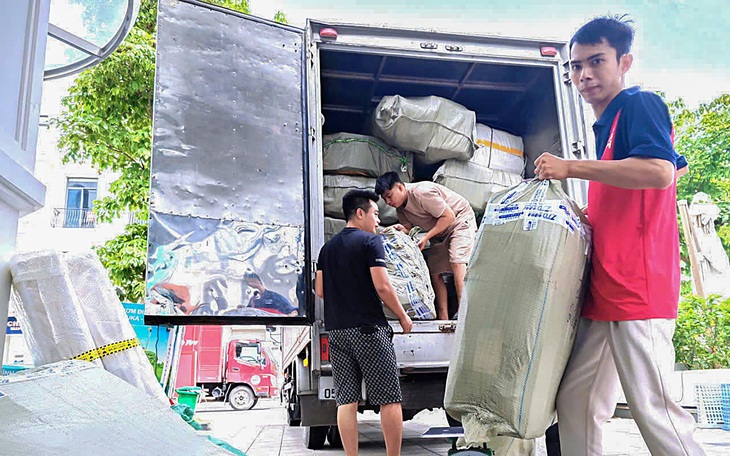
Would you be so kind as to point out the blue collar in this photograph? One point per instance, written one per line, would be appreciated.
(615, 105)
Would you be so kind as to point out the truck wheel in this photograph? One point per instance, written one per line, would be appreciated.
(333, 437)
(314, 436)
(242, 398)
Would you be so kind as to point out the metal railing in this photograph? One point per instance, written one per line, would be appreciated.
(66, 217)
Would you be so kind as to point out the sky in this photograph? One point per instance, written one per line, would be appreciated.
(682, 47)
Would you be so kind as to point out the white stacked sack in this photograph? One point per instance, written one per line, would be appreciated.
(435, 127)
(408, 273)
(518, 314)
(499, 150)
(336, 186)
(360, 155)
(68, 307)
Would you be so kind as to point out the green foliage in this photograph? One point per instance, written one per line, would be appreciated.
(106, 120)
(702, 334)
(703, 137)
(124, 257)
(280, 17)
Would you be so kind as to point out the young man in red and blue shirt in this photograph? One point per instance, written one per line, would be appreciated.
(625, 333)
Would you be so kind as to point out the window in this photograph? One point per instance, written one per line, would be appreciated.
(80, 195)
(247, 353)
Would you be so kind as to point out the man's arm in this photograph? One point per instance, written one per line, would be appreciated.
(631, 173)
(319, 284)
(443, 222)
(387, 294)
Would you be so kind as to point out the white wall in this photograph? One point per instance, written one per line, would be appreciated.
(23, 30)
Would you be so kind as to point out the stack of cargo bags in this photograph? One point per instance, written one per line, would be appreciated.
(353, 161)
(478, 160)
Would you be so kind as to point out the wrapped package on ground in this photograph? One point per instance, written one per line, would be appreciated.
(109, 325)
(499, 150)
(519, 313)
(53, 321)
(336, 186)
(347, 153)
(408, 273)
(434, 126)
(76, 408)
(474, 182)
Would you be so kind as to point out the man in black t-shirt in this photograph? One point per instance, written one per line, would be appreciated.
(353, 281)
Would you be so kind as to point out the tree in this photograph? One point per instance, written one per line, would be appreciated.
(703, 137)
(106, 120)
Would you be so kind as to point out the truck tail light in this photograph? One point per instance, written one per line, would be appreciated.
(324, 345)
(548, 51)
(328, 33)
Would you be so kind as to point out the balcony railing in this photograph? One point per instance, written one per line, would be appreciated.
(66, 217)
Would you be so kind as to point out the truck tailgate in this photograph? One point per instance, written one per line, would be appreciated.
(427, 347)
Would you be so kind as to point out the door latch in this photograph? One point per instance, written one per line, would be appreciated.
(447, 327)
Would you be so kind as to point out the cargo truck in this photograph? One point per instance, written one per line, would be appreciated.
(241, 105)
(238, 372)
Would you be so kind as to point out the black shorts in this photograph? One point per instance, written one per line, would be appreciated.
(364, 353)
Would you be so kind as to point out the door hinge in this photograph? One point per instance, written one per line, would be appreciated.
(453, 48)
(566, 78)
(429, 45)
(447, 327)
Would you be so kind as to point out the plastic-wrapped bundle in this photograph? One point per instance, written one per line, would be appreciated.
(499, 150)
(108, 323)
(347, 153)
(519, 313)
(434, 126)
(473, 181)
(335, 188)
(53, 321)
(408, 273)
(69, 308)
(332, 226)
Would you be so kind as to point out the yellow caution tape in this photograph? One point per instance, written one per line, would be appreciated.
(509, 150)
(108, 349)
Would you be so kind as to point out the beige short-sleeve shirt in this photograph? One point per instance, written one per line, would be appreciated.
(427, 201)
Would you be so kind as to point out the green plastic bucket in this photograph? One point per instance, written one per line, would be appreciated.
(188, 395)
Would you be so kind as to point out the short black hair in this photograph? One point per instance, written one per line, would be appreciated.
(357, 199)
(386, 182)
(616, 30)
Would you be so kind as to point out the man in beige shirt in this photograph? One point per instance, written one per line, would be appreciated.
(450, 226)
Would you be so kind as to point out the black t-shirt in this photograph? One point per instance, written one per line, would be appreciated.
(350, 299)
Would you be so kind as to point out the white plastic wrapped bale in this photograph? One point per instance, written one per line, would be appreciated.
(336, 186)
(408, 273)
(53, 321)
(434, 126)
(474, 182)
(519, 313)
(109, 324)
(76, 408)
(714, 265)
(499, 150)
(347, 153)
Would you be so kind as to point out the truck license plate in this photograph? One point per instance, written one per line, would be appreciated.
(326, 388)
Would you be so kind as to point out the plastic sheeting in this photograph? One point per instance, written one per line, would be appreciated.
(499, 150)
(434, 126)
(332, 226)
(347, 153)
(408, 273)
(68, 307)
(714, 265)
(75, 408)
(473, 181)
(519, 313)
(336, 186)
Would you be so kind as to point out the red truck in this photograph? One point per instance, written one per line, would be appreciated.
(238, 371)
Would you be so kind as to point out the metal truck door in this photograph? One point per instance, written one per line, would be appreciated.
(228, 242)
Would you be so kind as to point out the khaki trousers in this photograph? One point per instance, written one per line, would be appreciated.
(640, 355)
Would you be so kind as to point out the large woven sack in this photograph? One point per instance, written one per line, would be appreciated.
(408, 273)
(347, 153)
(519, 313)
(332, 226)
(335, 187)
(499, 150)
(434, 126)
(474, 182)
